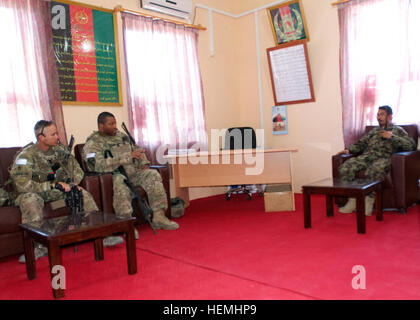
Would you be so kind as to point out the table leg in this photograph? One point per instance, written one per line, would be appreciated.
(330, 207)
(307, 208)
(98, 246)
(378, 204)
(183, 193)
(29, 256)
(180, 192)
(131, 250)
(360, 214)
(54, 256)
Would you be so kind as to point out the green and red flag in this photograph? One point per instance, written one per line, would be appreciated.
(86, 55)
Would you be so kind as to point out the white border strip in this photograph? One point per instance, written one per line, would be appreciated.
(241, 14)
(260, 90)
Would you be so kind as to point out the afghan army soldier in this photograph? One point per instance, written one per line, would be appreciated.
(108, 149)
(375, 150)
(38, 170)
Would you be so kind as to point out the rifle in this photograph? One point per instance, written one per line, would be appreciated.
(132, 142)
(70, 146)
(65, 154)
(74, 197)
(138, 203)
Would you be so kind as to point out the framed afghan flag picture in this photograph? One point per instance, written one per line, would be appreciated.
(86, 50)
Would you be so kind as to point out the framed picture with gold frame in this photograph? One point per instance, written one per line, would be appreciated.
(288, 22)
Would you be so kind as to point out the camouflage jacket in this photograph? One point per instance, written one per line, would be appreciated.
(120, 148)
(4, 196)
(32, 168)
(373, 143)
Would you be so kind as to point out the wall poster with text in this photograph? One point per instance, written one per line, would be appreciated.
(86, 50)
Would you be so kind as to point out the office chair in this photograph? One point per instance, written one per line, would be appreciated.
(240, 138)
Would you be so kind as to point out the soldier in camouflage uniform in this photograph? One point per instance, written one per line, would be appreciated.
(4, 196)
(375, 149)
(106, 150)
(34, 179)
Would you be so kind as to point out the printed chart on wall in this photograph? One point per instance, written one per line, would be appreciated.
(290, 73)
(86, 51)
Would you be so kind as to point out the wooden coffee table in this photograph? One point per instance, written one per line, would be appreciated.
(358, 189)
(57, 232)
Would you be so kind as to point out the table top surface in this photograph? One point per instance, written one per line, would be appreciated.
(339, 184)
(229, 152)
(67, 224)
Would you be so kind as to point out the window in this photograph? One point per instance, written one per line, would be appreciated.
(164, 83)
(20, 101)
(380, 61)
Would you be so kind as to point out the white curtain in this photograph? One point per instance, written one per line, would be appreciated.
(165, 96)
(380, 62)
(29, 89)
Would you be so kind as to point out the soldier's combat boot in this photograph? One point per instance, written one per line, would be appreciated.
(160, 221)
(39, 251)
(112, 241)
(369, 201)
(349, 207)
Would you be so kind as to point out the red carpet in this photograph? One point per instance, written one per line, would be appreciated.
(235, 250)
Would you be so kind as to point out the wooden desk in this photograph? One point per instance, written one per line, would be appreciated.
(231, 167)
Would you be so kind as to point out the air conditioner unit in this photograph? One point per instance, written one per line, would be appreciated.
(177, 8)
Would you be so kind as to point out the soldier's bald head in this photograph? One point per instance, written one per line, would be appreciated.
(103, 116)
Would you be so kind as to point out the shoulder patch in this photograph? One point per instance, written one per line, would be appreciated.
(22, 162)
(91, 155)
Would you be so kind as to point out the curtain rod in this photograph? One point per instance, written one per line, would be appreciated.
(121, 9)
(339, 2)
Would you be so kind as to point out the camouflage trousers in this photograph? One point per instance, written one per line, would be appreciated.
(150, 180)
(31, 204)
(4, 196)
(375, 168)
